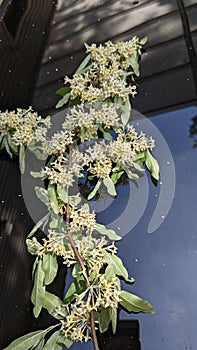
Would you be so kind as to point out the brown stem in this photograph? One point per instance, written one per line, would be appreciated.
(78, 256)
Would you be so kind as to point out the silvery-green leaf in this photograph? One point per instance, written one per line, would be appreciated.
(40, 345)
(138, 166)
(64, 341)
(116, 176)
(110, 186)
(12, 144)
(36, 174)
(111, 234)
(63, 91)
(96, 188)
(31, 247)
(133, 303)
(126, 112)
(38, 289)
(104, 319)
(38, 225)
(53, 198)
(135, 65)
(83, 64)
(42, 194)
(110, 272)
(119, 269)
(7, 147)
(22, 158)
(75, 200)
(114, 319)
(144, 40)
(40, 155)
(76, 270)
(28, 341)
(51, 303)
(78, 286)
(51, 343)
(61, 191)
(131, 175)
(85, 207)
(152, 165)
(50, 268)
(63, 101)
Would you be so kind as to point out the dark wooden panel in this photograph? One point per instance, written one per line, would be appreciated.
(20, 60)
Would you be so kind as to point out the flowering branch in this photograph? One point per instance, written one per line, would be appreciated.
(99, 99)
(77, 255)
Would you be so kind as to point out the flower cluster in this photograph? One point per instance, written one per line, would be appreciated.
(101, 168)
(82, 220)
(86, 120)
(76, 326)
(101, 294)
(115, 55)
(107, 292)
(104, 79)
(58, 173)
(58, 142)
(25, 126)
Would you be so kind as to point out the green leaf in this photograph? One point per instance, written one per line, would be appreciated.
(126, 112)
(78, 286)
(114, 316)
(38, 290)
(144, 40)
(12, 144)
(111, 234)
(61, 191)
(50, 268)
(116, 263)
(63, 91)
(31, 248)
(22, 158)
(96, 188)
(133, 303)
(64, 341)
(104, 319)
(7, 147)
(76, 270)
(110, 186)
(63, 101)
(83, 64)
(51, 302)
(27, 341)
(110, 272)
(118, 101)
(107, 136)
(40, 345)
(52, 344)
(134, 63)
(116, 176)
(40, 155)
(42, 194)
(131, 175)
(75, 200)
(38, 225)
(138, 166)
(36, 174)
(53, 198)
(152, 165)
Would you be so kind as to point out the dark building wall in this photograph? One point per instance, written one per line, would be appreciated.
(23, 33)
